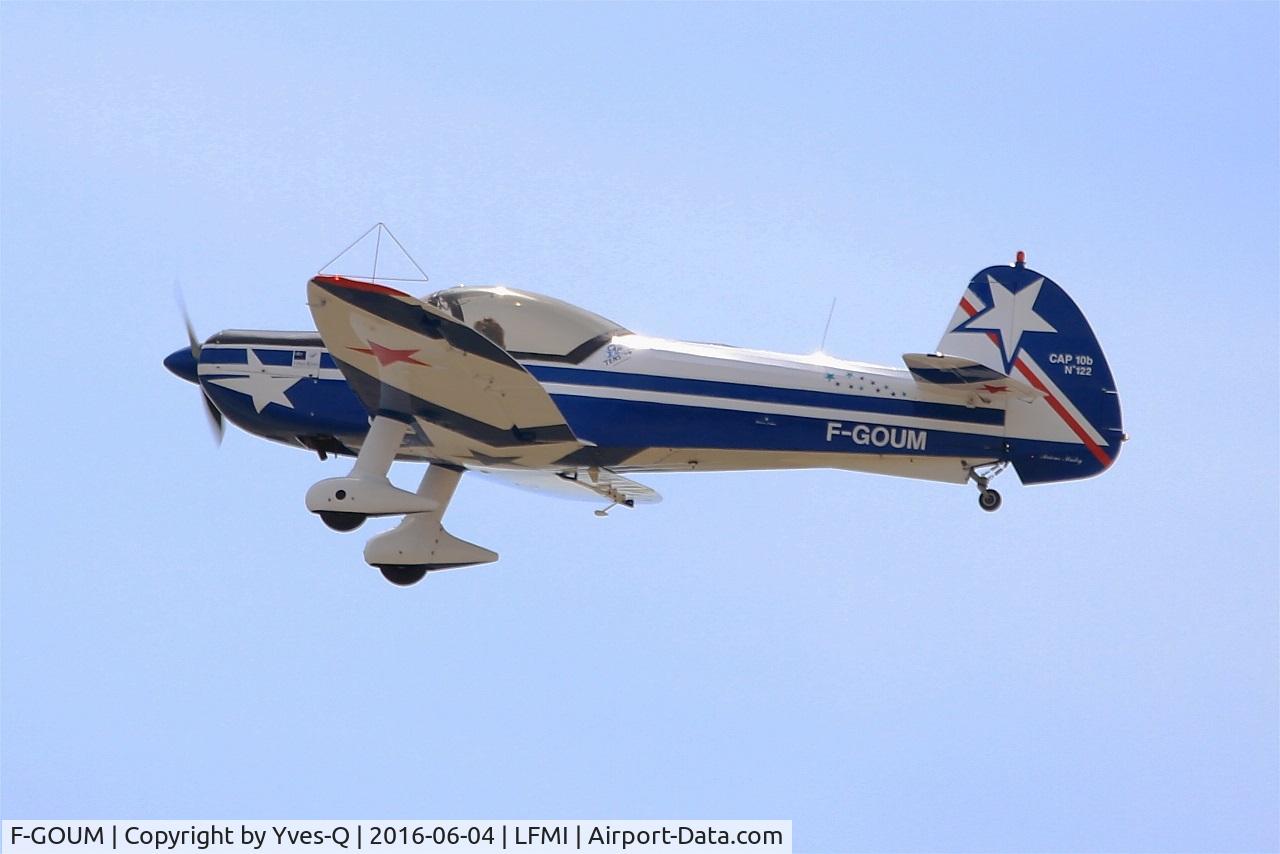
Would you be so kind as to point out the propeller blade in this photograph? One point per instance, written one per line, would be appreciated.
(186, 318)
(215, 419)
(191, 336)
(211, 409)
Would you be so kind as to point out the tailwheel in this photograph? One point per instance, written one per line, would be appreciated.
(341, 521)
(403, 575)
(988, 498)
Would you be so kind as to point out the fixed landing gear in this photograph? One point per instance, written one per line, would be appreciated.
(341, 521)
(988, 498)
(403, 575)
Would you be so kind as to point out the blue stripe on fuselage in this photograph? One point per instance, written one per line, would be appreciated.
(630, 423)
(329, 406)
(767, 394)
(223, 355)
(278, 358)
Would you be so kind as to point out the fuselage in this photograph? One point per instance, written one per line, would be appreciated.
(641, 404)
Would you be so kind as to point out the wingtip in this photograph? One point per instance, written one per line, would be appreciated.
(331, 282)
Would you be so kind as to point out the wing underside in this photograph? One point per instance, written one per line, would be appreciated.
(462, 395)
(582, 484)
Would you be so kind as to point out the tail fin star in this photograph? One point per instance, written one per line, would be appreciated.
(1010, 316)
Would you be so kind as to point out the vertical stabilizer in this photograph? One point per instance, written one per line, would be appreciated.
(1022, 324)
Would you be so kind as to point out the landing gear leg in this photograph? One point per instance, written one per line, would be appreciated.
(988, 498)
(344, 502)
(419, 544)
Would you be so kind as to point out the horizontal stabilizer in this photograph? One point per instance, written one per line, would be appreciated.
(965, 377)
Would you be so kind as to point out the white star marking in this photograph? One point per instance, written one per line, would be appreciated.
(260, 385)
(1011, 316)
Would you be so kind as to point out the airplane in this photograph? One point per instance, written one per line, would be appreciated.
(528, 388)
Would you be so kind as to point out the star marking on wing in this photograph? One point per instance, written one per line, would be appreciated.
(1009, 317)
(995, 389)
(390, 355)
(263, 387)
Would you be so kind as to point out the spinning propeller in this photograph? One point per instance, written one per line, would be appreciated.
(186, 367)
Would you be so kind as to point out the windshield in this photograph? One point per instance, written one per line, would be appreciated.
(528, 325)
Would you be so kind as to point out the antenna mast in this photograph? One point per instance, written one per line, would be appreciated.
(825, 329)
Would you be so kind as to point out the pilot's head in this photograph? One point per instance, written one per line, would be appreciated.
(491, 329)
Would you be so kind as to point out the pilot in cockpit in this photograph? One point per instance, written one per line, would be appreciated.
(492, 329)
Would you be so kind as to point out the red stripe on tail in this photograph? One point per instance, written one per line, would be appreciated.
(1054, 403)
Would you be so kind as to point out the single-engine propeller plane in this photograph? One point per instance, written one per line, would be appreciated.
(529, 388)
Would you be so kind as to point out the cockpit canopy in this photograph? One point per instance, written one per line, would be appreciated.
(528, 325)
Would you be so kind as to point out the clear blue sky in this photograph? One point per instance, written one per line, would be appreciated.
(1092, 668)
